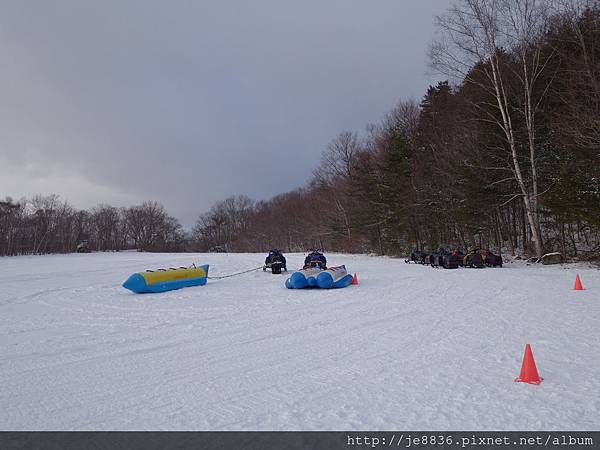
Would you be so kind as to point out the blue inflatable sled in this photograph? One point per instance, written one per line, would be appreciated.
(162, 280)
(334, 277)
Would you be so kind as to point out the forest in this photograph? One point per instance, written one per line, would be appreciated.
(507, 158)
(504, 154)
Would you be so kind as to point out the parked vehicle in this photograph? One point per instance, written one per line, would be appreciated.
(83, 247)
(275, 261)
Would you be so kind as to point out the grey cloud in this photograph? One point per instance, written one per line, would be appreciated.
(188, 102)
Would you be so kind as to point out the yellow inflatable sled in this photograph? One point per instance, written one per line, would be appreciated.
(163, 280)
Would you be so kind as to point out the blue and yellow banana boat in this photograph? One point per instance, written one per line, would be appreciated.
(162, 280)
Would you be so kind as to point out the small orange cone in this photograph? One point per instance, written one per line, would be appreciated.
(529, 373)
(578, 286)
(355, 279)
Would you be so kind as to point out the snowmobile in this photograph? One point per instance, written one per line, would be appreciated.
(491, 260)
(444, 257)
(452, 259)
(275, 261)
(415, 256)
(436, 259)
(315, 259)
(460, 256)
(425, 258)
(83, 247)
(474, 259)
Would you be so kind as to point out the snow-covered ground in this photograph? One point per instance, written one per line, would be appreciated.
(410, 347)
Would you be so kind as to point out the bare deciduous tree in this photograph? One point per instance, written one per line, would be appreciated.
(476, 34)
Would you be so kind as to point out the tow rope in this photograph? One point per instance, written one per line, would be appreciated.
(237, 273)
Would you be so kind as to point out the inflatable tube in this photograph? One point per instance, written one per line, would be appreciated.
(312, 279)
(332, 278)
(163, 280)
(303, 278)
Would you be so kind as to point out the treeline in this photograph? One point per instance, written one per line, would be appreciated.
(45, 224)
(507, 156)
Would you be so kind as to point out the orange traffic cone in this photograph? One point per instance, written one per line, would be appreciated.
(578, 286)
(354, 279)
(529, 373)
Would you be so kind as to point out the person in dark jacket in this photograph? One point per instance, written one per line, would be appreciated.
(315, 259)
(275, 261)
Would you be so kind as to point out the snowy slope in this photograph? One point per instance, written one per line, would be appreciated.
(410, 347)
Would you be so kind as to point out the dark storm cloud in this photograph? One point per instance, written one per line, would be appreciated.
(188, 102)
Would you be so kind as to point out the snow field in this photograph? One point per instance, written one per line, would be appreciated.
(410, 347)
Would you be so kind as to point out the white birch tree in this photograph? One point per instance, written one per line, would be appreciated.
(475, 33)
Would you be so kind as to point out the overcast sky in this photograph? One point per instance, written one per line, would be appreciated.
(189, 102)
